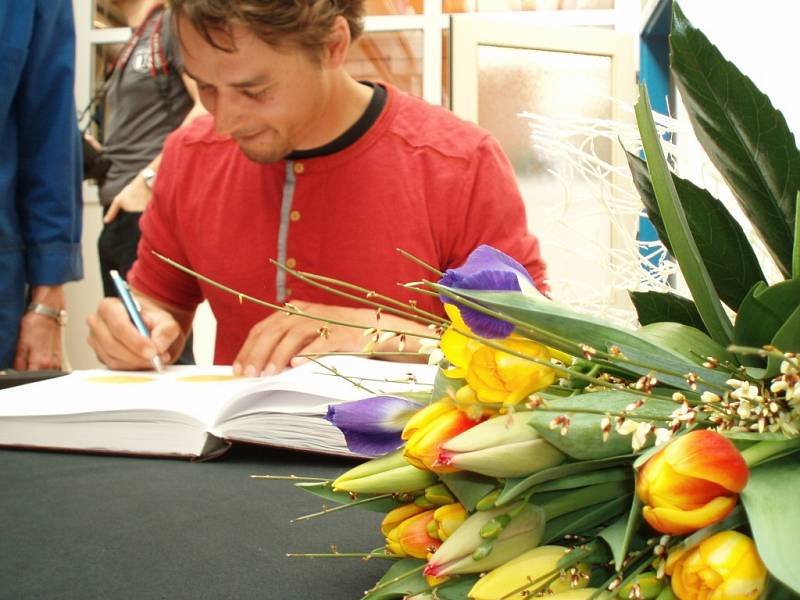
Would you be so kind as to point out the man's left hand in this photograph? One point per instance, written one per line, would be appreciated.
(134, 197)
(39, 343)
(275, 342)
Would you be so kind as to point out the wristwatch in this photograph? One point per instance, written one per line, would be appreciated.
(149, 176)
(59, 316)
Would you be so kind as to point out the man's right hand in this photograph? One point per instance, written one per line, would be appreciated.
(119, 345)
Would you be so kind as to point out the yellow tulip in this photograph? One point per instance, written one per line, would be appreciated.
(429, 429)
(725, 566)
(524, 571)
(494, 377)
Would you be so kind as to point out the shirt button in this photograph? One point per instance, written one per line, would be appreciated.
(299, 168)
(291, 263)
(294, 215)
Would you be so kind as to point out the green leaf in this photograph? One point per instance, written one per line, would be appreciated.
(584, 438)
(562, 328)
(796, 248)
(517, 486)
(687, 341)
(468, 487)
(725, 250)
(680, 237)
(585, 519)
(652, 307)
(770, 500)
(762, 314)
(456, 589)
(583, 479)
(323, 490)
(745, 137)
(408, 573)
(786, 339)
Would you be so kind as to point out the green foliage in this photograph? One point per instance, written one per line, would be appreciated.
(380, 503)
(745, 137)
(653, 307)
(404, 578)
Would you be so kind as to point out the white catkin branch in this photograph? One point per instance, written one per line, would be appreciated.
(585, 178)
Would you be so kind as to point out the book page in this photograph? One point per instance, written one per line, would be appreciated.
(309, 389)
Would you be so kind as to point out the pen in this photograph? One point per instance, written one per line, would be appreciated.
(133, 311)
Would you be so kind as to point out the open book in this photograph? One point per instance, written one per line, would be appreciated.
(196, 411)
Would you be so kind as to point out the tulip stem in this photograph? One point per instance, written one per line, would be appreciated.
(380, 553)
(325, 511)
(767, 450)
(288, 308)
(408, 312)
(287, 478)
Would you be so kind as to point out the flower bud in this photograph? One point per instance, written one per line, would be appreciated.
(428, 429)
(385, 475)
(525, 570)
(724, 566)
(409, 537)
(455, 556)
(693, 482)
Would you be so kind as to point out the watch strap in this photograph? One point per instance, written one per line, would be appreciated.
(149, 176)
(60, 316)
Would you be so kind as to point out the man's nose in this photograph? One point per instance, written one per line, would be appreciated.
(226, 116)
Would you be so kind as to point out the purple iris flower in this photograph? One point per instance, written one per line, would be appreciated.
(486, 269)
(372, 426)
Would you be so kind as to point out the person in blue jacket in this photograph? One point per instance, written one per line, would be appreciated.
(40, 180)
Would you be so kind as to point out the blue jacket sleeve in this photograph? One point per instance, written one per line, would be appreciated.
(49, 199)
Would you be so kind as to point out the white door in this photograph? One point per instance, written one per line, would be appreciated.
(578, 82)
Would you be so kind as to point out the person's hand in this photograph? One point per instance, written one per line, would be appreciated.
(275, 342)
(39, 343)
(119, 345)
(133, 198)
(93, 142)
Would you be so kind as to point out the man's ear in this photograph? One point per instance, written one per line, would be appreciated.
(337, 44)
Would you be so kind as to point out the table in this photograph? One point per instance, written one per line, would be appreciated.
(83, 526)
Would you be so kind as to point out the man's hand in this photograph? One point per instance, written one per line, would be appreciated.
(134, 197)
(276, 341)
(39, 343)
(119, 345)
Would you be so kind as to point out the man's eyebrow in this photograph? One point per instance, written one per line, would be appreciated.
(258, 80)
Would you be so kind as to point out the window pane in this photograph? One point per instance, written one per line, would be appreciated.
(457, 6)
(563, 207)
(393, 57)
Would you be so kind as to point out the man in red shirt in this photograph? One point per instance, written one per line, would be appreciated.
(300, 163)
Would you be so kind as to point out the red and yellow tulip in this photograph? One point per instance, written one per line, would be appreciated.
(406, 531)
(428, 429)
(693, 482)
(725, 566)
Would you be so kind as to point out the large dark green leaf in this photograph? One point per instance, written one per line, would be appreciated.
(654, 307)
(692, 343)
(683, 244)
(468, 487)
(562, 328)
(323, 490)
(723, 246)
(745, 137)
(763, 313)
(786, 339)
(770, 500)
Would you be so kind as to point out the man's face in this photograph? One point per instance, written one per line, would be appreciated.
(268, 101)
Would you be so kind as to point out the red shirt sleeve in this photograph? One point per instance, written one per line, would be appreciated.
(161, 232)
(494, 213)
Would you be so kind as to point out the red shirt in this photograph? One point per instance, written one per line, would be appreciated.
(420, 179)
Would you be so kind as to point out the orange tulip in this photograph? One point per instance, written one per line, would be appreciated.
(427, 430)
(725, 566)
(406, 531)
(693, 482)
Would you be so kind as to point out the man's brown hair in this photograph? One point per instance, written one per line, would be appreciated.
(279, 23)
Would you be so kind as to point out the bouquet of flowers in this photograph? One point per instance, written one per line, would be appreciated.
(559, 455)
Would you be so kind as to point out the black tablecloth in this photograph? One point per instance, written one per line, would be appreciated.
(82, 526)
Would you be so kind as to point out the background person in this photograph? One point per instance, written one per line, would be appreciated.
(40, 180)
(146, 97)
(300, 163)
